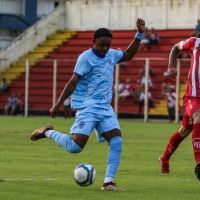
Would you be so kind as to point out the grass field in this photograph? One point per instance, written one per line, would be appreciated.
(42, 170)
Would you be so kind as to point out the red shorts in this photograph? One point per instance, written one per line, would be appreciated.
(192, 104)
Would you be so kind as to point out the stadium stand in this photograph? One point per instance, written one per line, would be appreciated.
(68, 46)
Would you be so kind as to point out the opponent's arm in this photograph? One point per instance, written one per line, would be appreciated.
(174, 53)
(67, 91)
(133, 47)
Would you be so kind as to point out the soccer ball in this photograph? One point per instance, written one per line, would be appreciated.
(84, 174)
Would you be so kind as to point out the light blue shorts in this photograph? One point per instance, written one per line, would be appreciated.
(88, 120)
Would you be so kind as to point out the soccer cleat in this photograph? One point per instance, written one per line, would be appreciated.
(111, 187)
(164, 166)
(40, 132)
(197, 171)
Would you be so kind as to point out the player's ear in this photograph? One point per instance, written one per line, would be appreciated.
(94, 41)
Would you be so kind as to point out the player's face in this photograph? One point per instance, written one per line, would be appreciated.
(102, 45)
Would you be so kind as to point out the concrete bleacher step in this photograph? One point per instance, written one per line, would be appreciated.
(17, 69)
(38, 53)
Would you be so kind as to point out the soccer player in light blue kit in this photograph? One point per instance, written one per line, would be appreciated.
(91, 88)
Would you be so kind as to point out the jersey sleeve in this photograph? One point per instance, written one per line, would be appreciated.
(82, 66)
(188, 45)
(118, 55)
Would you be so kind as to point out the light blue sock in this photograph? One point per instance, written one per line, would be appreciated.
(65, 141)
(114, 156)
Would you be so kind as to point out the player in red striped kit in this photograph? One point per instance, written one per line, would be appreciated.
(191, 118)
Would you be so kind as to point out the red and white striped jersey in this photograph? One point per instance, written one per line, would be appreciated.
(191, 45)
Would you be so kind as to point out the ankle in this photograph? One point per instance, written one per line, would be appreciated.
(48, 133)
(109, 183)
(108, 179)
(164, 158)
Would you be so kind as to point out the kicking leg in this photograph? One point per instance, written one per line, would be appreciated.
(80, 133)
(73, 144)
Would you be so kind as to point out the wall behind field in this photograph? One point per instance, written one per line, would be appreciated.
(122, 14)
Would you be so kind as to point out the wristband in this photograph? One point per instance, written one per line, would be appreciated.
(139, 35)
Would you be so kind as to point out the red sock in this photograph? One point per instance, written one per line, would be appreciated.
(196, 142)
(172, 145)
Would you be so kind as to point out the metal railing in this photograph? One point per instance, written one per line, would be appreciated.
(55, 70)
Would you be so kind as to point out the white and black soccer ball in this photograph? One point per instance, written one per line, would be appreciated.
(84, 174)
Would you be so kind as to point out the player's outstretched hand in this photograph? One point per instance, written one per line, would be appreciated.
(140, 25)
(54, 110)
(171, 72)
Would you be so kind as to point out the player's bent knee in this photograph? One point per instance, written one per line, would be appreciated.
(116, 143)
(74, 148)
(184, 132)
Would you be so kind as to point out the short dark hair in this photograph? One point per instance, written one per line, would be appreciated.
(102, 32)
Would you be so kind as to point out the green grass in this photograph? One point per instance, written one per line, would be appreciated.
(42, 170)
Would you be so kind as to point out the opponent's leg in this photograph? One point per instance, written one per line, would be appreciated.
(196, 141)
(172, 145)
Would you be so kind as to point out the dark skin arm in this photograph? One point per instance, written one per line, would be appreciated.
(134, 46)
(175, 52)
(67, 91)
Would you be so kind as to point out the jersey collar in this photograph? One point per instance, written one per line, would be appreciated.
(93, 50)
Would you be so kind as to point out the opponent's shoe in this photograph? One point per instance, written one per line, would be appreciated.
(164, 166)
(40, 132)
(197, 171)
(111, 187)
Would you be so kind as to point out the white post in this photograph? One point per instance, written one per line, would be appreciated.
(116, 89)
(177, 91)
(54, 82)
(146, 90)
(26, 88)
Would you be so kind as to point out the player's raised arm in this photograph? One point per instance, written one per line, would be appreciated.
(67, 91)
(133, 47)
(174, 53)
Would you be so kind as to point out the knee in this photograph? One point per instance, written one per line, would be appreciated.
(196, 117)
(184, 132)
(116, 143)
(74, 148)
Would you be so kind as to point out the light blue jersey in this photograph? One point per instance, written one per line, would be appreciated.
(94, 88)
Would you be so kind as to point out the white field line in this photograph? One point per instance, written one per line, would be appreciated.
(65, 179)
(32, 179)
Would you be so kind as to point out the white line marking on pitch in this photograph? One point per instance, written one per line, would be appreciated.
(32, 179)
